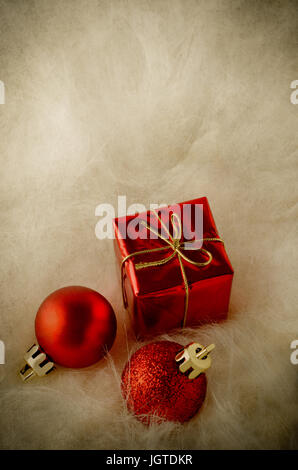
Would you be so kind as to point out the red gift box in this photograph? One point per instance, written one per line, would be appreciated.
(165, 285)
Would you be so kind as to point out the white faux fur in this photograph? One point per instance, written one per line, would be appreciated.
(162, 101)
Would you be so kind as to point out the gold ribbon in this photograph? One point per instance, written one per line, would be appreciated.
(174, 243)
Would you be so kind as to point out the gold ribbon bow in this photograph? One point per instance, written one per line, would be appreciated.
(174, 243)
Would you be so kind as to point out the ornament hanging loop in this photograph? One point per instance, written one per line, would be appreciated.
(37, 363)
(194, 358)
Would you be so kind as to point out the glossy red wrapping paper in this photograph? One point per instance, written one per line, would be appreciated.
(156, 295)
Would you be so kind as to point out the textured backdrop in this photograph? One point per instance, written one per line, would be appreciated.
(162, 101)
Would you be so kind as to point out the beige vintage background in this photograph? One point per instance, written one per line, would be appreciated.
(161, 101)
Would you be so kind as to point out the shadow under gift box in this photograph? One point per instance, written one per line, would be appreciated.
(156, 295)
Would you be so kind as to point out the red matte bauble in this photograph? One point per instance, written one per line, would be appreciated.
(155, 389)
(75, 326)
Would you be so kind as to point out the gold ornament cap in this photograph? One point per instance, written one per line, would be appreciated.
(37, 363)
(194, 357)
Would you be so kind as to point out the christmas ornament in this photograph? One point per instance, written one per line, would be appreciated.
(164, 380)
(174, 268)
(75, 326)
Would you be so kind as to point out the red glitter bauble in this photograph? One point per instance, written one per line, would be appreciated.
(154, 387)
(75, 326)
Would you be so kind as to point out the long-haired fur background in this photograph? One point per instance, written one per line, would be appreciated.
(162, 101)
